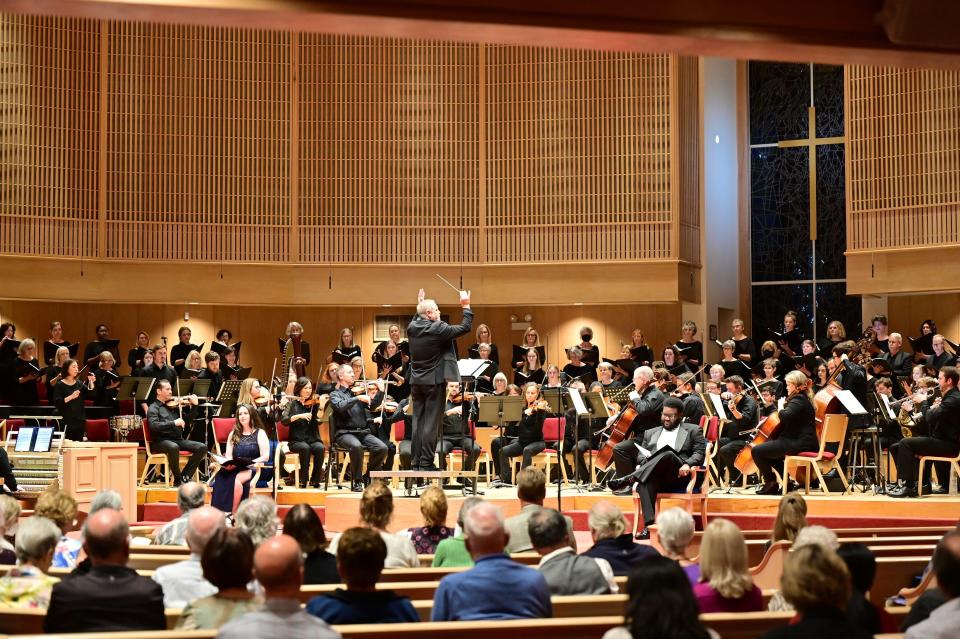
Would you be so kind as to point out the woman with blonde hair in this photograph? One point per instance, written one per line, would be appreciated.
(725, 583)
(484, 336)
(797, 432)
(376, 511)
(791, 518)
(433, 507)
(60, 508)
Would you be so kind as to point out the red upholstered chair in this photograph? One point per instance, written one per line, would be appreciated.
(42, 398)
(454, 456)
(283, 458)
(157, 459)
(98, 430)
(820, 461)
(222, 427)
(711, 433)
(8, 425)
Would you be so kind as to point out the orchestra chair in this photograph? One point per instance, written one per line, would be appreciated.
(159, 460)
(98, 430)
(834, 432)
(42, 399)
(695, 494)
(943, 481)
(453, 458)
(553, 430)
(283, 458)
(222, 427)
(711, 433)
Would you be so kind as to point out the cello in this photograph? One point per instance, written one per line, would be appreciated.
(618, 433)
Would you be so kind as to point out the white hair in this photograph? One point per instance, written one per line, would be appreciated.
(643, 371)
(606, 520)
(105, 499)
(817, 536)
(343, 369)
(36, 537)
(257, 517)
(425, 307)
(483, 520)
(675, 528)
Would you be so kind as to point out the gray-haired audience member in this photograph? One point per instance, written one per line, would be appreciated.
(612, 541)
(566, 572)
(190, 495)
(105, 499)
(945, 619)
(675, 528)
(28, 585)
(183, 581)
(257, 517)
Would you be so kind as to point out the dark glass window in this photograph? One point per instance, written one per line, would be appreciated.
(779, 96)
(780, 246)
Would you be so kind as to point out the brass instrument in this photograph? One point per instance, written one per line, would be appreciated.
(908, 420)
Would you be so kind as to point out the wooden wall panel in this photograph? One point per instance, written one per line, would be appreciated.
(689, 143)
(907, 312)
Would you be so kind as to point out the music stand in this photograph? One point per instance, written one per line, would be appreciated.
(227, 398)
(469, 370)
(144, 387)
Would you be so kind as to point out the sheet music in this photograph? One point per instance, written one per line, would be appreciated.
(577, 400)
(470, 367)
(886, 405)
(850, 402)
(781, 402)
(643, 451)
(717, 404)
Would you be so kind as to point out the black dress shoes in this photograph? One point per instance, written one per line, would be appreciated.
(769, 488)
(906, 490)
(619, 483)
(356, 486)
(643, 534)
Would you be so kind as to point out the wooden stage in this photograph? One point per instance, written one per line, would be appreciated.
(340, 508)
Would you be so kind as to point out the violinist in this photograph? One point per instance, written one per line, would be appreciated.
(382, 412)
(647, 401)
(485, 379)
(484, 336)
(54, 372)
(853, 378)
(529, 440)
(166, 424)
(180, 350)
(940, 357)
(744, 350)
(346, 351)
(107, 381)
(455, 433)
(135, 356)
(68, 396)
(836, 333)
(693, 408)
(27, 371)
(607, 382)
(300, 416)
(253, 394)
(639, 350)
(350, 430)
(531, 339)
(577, 368)
(690, 348)
(531, 371)
(900, 361)
(797, 432)
(56, 341)
(744, 417)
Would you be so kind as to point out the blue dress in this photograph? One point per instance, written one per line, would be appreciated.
(224, 482)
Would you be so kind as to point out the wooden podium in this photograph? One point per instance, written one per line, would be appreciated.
(89, 467)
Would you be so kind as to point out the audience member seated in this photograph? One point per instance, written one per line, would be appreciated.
(9, 516)
(675, 528)
(360, 557)
(110, 596)
(106, 498)
(861, 612)
(944, 620)
(566, 572)
(497, 587)
(190, 495)
(319, 566)
(257, 517)
(661, 604)
(376, 510)
(183, 581)
(725, 584)
(531, 491)
(611, 541)
(791, 518)
(227, 563)
(808, 536)
(433, 507)
(452, 552)
(278, 567)
(816, 583)
(28, 585)
(60, 508)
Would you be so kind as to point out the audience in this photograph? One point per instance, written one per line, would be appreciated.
(816, 583)
(376, 510)
(725, 584)
(60, 508)
(661, 604)
(452, 552)
(361, 554)
(28, 585)
(9, 516)
(433, 507)
(808, 536)
(611, 541)
(566, 572)
(531, 491)
(861, 612)
(183, 581)
(675, 528)
(943, 621)
(496, 587)
(278, 567)
(319, 566)
(257, 517)
(110, 596)
(791, 518)
(227, 564)
(190, 495)
(106, 498)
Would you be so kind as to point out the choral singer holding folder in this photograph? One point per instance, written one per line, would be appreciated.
(433, 363)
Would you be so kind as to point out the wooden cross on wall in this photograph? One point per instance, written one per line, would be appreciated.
(812, 142)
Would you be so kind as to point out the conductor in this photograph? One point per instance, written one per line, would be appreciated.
(433, 363)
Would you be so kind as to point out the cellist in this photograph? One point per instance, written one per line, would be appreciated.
(797, 432)
(647, 401)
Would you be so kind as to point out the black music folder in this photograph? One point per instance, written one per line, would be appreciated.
(218, 348)
(736, 367)
(50, 350)
(520, 353)
(628, 365)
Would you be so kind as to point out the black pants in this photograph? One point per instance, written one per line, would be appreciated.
(496, 444)
(580, 451)
(74, 431)
(306, 451)
(727, 455)
(172, 447)
(910, 448)
(355, 443)
(428, 403)
(769, 453)
(515, 449)
(470, 448)
(664, 478)
(625, 456)
(406, 454)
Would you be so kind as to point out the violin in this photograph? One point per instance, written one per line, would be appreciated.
(540, 404)
(313, 399)
(177, 402)
(469, 396)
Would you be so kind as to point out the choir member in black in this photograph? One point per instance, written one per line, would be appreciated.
(485, 379)
(350, 429)
(940, 357)
(102, 343)
(531, 371)
(295, 329)
(689, 348)
(179, 352)
(942, 419)
(671, 361)
(529, 440)
(107, 381)
(346, 350)
(135, 355)
(693, 408)
(229, 366)
(328, 379)
(836, 333)
(456, 433)
(27, 371)
(223, 337)
(881, 334)
(927, 327)
(792, 336)
(899, 360)
(647, 401)
(770, 378)
(797, 433)
(484, 336)
(393, 333)
(640, 351)
(744, 417)
(54, 372)
(8, 353)
(607, 382)
(820, 377)
(158, 370)
(212, 372)
(166, 427)
(730, 363)
(576, 369)
(531, 339)
(192, 366)
(768, 350)
(591, 352)
(394, 368)
(552, 379)
(744, 348)
(357, 365)
(300, 416)
(68, 396)
(147, 361)
(56, 341)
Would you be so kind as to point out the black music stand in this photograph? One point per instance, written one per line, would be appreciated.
(227, 398)
(469, 370)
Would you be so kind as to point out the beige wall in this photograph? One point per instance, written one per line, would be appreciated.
(907, 312)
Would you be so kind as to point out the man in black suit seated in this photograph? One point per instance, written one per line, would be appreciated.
(647, 400)
(669, 470)
(942, 418)
(433, 363)
(111, 596)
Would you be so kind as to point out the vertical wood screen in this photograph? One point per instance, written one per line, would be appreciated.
(132, 141)
(903, 149)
